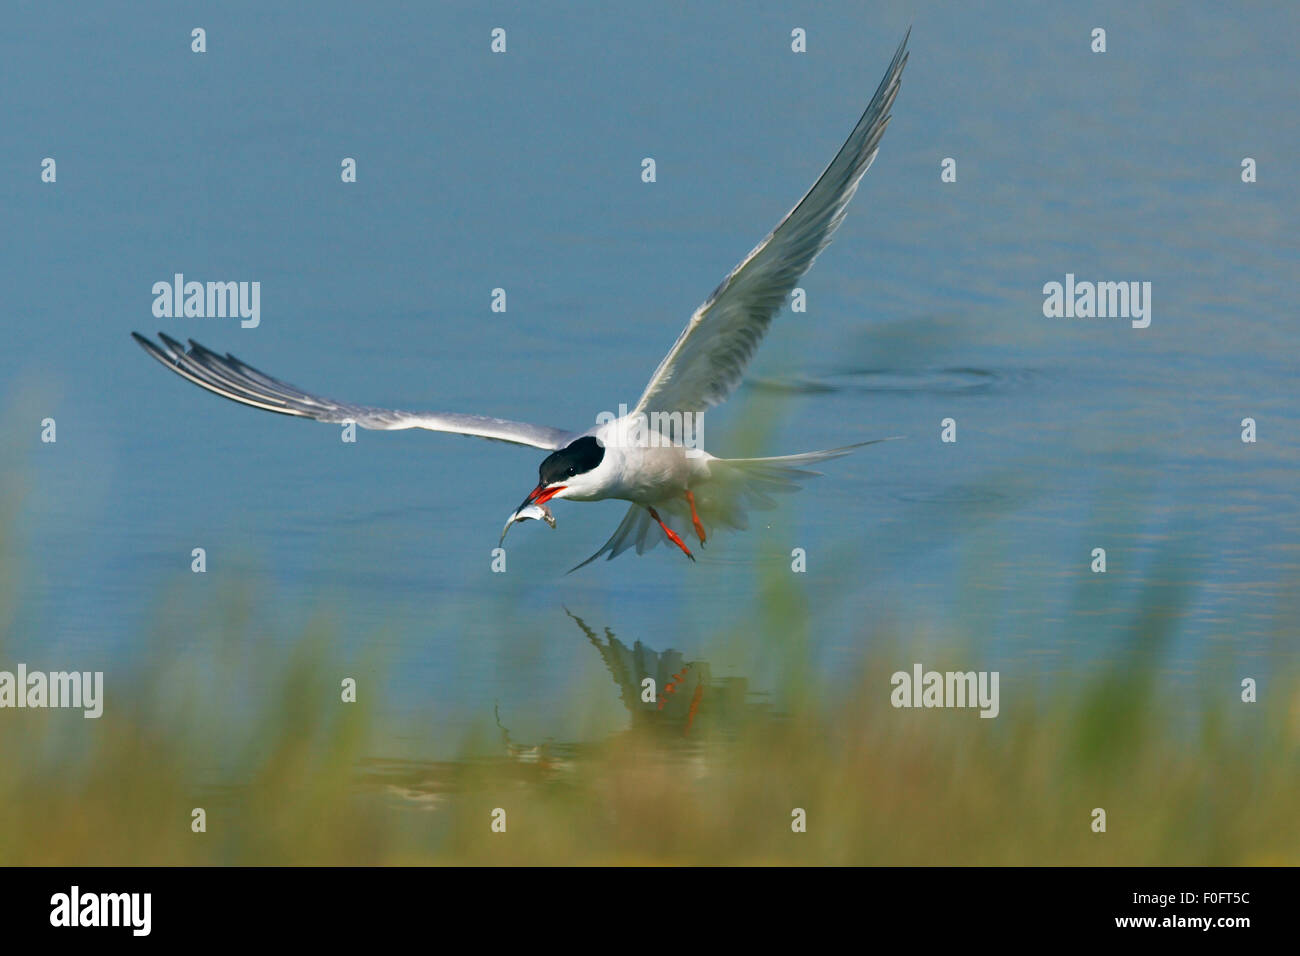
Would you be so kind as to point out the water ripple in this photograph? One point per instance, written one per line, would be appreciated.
(959, 379)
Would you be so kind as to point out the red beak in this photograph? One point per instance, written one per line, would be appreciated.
(540, 495)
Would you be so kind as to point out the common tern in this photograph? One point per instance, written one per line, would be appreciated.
(654, 468)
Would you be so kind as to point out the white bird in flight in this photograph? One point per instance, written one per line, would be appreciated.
(651, 467)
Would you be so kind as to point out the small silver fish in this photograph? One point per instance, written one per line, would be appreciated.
(526, 513)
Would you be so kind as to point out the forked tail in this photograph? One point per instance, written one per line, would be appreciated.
(788, 469)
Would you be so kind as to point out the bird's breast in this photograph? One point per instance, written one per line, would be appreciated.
(647, 475)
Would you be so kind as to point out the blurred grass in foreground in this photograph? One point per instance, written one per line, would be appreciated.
(712, 778)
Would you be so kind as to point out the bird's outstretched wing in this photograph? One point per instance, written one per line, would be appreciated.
(709, 358)
(230, 378)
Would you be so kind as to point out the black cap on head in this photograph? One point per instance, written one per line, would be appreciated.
(574, 459)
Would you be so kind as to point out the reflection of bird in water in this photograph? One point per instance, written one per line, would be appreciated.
(675, 689)
(687, 702)
(545, 755)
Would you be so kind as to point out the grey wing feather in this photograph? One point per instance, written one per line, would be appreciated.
(706, 363)
(632, 532)
(230, 378)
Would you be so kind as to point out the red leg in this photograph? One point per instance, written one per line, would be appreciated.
(672, 535)
(695, 517)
